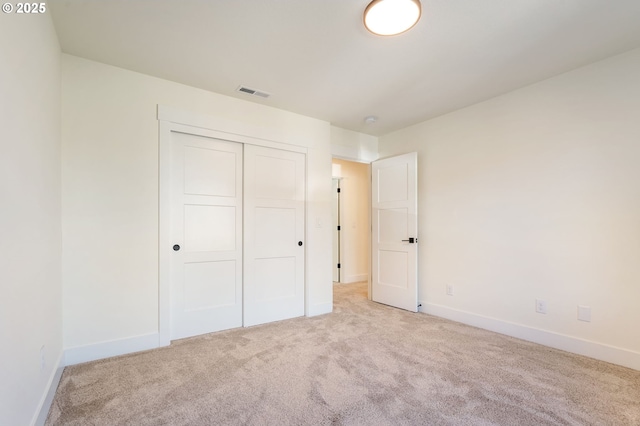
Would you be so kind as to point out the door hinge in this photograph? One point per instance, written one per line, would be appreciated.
(338, 227)
(338, 189)
(338, 266)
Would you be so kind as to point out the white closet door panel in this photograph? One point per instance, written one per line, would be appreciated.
(203, 292)
(277, 279)
(209, 171)
(273, 234)
(277, 177)
(209, 228)
(277, 234)
(206, 222)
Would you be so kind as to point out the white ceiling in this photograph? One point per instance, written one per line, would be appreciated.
(316, 58)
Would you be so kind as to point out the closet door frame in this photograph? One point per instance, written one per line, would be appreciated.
(170, 121)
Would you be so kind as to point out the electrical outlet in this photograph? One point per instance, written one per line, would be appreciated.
(42, 358)
(584, 313)
(450, 289)
(541, 306)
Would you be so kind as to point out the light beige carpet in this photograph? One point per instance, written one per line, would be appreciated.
(365, 364)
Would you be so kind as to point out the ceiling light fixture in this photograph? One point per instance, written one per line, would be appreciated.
(370, 119)
(391, 17)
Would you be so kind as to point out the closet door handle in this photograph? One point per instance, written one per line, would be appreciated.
(300, 243)
(176, 247)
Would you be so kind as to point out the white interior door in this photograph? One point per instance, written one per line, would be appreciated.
(273, 234)
(394, 212)
(206, 234)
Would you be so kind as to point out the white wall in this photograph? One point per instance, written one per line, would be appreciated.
(355, 228)
(350, 145)
(30, 305)
(110, 197)
(536, 194)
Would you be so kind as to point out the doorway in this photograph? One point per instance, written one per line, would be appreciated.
(352, 225)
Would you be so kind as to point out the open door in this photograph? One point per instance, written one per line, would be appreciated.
(394, 214)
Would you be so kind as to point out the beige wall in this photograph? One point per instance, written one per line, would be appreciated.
(110, 198)
(31, 292)
(355, 228)
(536, 194)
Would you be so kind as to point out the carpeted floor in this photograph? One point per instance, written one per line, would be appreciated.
(365, 364)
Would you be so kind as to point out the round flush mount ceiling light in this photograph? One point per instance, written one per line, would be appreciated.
(391, 17)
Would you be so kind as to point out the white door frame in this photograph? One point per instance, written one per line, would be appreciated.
(337, 240)
(174, 120)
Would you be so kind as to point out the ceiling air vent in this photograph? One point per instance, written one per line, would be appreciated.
(253, 92)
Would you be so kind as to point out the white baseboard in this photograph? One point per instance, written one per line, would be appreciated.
(355, 278)
(320, 309)
(42, 411)
(111, 348)
(563, 342)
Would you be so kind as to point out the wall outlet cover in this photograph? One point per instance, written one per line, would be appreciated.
(584, 313)
(541, 306)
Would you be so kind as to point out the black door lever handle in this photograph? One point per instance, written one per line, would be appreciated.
(411, 240)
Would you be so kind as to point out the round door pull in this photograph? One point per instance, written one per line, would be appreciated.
(176, 247)
(299, 243)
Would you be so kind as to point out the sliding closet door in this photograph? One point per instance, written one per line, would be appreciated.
(206, 235)
(273, 235)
